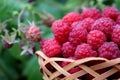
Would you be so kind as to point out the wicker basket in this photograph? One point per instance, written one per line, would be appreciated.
(104, 63)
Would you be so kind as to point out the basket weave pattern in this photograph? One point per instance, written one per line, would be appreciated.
(48, 75)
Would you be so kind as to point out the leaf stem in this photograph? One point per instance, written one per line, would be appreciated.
(19, 17)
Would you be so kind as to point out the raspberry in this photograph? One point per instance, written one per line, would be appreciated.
(62, 64)
(92, 13)
(50, 47)
(116, 36)
(74, 24)
(71, 17)
(109, 50)
(105, 25)
(118, 20)
(68, 49)
(78, 35)
(116, 26)
(56, 24)
(61, 31)
(95, 39)
(6, 44)
(33, 34)
(73, 70)
(84, 50)
(110, 12)
(87, 23)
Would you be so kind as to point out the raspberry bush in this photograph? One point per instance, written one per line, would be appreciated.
(66, 29)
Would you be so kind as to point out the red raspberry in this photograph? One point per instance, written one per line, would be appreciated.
(50, 47)
(71, 17)
(62, 64)
(74, 24)
(95, 39)
(87, 23)
(78, 35)
(73, 70)
(110, 12)
(61, 31)
(56, 24)
(68, 49)
(92, 13)
(84, 50)
(33, 34)
(109, 50)
(116, 26)
(105, 25)
(116, 36)
(118, 20)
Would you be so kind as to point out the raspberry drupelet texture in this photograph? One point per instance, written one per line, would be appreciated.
(78, 35)
(105, 25)
(84, 50)
(71, 17)
(110, 12)
(116, 36)
(117, 26)
(51, 47)
(87, 23)
(109, 50)
(33, 34)
(74, 24)
(118, 20)
(61, 31)
(68, 49)
(56, 24)
(96, 38)
(92, 13)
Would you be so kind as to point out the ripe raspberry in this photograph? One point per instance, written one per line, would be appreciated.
(61, 31)
(95, 39)
(55, 24)
(116, 26)
(74, 24)
(92, 13)
(105, 25)
(84, 50)
(116, 36)
(73, 70)
(50, 47)
(87, 23)
(109, 50)
(68, 49)
(78, 35)
(118, 20)
(33, 34)
(71, 17)
(110, 12)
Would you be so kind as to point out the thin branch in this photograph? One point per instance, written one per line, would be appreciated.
(19, 17)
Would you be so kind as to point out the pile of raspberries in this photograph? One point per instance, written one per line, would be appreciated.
(92, 33)
(89, 34)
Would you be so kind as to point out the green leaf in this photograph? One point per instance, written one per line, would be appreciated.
(7, 70)
(32, 69)
(117, 2)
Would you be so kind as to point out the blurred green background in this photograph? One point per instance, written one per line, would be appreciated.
(13, 66)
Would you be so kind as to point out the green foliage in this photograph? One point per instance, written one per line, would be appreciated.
(13, 66)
